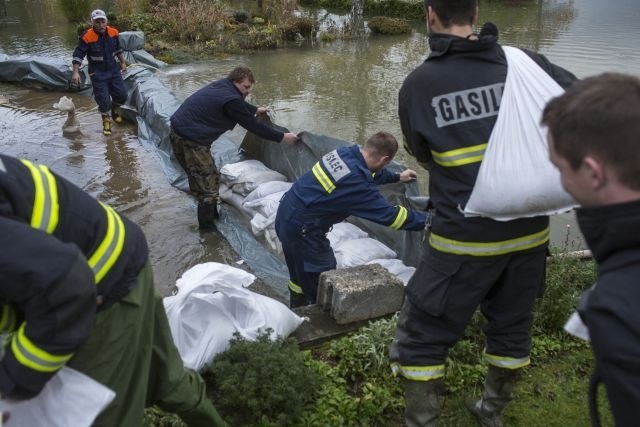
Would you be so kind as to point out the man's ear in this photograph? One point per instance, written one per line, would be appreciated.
(431, 16)
(596, 172)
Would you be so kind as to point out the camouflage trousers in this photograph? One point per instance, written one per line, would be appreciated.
(197, 162)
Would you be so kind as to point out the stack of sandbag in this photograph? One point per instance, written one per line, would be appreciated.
(212, 304)
(256, 190)
(352, 246)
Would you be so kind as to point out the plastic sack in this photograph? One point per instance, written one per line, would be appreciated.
(71, 125)
(360, 251)
(397, 268)
(344, 231)
(516, 178)
(212, 304)
(70, 398)
(245, 176)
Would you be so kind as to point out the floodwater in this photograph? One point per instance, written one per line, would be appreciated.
(345, 89)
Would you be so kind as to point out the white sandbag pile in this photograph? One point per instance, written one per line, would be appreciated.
(256, 191)
(212, 304)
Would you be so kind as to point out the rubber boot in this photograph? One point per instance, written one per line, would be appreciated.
(207, 213)
(297, 300)
(106, 125)
(498, 392)
(423, 400)
(115, 114)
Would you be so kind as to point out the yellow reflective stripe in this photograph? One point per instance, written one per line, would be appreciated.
(507, 362)
(401, 218)
(488, 249)
(460, 156)
(295, 288)
(45, 214)
(323, 178)
(31, 356)
(111, 246)
(7, 319)
(419, 373)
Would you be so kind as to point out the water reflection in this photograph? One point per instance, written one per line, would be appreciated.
(346, 89)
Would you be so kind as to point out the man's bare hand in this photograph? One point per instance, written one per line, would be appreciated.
(290, 138)
(408, 175)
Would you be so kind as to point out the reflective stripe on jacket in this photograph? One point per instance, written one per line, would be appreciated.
(45, 216)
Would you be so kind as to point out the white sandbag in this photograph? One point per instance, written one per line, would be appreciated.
(245, 176)
(343, 231)
(397, 268)
(267, 205)
(70, 398)
(516, 178)
(212, 304)
(267, 188)
(65, 104)
(360, 251)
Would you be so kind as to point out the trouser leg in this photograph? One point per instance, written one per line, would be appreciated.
(173, 387)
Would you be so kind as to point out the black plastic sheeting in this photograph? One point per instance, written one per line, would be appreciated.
(151, 105)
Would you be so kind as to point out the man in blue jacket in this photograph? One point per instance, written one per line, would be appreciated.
(101, 45)
(201, 119)
(593, 136)
(343, 183)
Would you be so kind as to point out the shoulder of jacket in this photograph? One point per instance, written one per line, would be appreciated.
(89, 36)
(112, 32)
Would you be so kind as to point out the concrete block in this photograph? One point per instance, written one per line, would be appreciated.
(358, 293)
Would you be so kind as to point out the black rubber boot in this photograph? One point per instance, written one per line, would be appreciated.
(297, 300)
(207, 213)
(498, 392)
(423, 401)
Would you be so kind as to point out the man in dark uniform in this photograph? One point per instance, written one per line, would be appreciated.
(76, 288)
(101, 45)
(448, 107)
(343, 183)
(201, 119)
(594, 129)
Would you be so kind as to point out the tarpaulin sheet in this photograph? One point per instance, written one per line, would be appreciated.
(48, 73)
(151, 105)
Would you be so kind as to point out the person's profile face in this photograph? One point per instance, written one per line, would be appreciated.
(244, 86)
(573, 180)
(99, 25)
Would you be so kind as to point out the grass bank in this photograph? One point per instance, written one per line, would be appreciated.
(347, 382)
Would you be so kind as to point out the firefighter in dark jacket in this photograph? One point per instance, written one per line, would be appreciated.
(594, 129)
(448, 106)
(101, 45)
(343, 183)
(76, 288)
(201, 119)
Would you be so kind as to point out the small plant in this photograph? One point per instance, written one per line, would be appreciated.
(386, 25)
(298, 26)
(241, 16)
(261, 382)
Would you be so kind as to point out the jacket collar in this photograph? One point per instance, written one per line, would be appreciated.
(441, 43)
(611, 228)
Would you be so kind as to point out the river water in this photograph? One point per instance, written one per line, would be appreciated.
(345, 89)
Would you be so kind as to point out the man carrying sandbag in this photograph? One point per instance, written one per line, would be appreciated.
(448, 107)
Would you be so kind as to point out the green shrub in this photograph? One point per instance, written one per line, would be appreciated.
(241, 16)
(386, 25)
(261, 382)
(77, 10)
(302, 25)
(567, 277)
